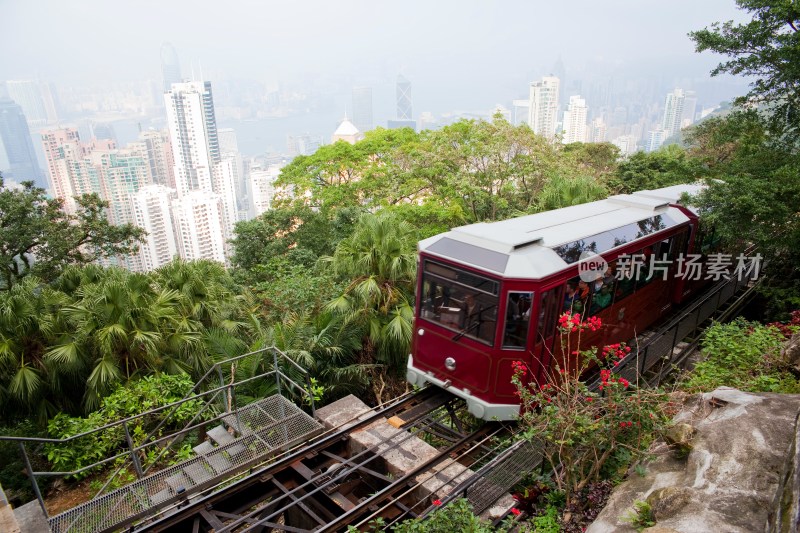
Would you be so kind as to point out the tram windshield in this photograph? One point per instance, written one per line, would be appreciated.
(461, 301)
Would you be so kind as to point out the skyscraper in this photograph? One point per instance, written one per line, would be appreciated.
(156, 148)
(170, 66)
(404, 110)
(205, 211)
(543, 106)
(362, 108)
(575, 121)
(673, 113)
(152, 212)
(18, 145)
(28, 94)
(193, 131)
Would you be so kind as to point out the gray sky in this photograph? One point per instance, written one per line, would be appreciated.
(486, 49)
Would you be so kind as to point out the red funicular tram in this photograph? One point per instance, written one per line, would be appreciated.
(489, 294)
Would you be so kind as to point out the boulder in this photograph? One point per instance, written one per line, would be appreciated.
(668, 501)
(785, 513)
(730, 476)
(791, 351)
(680, 436)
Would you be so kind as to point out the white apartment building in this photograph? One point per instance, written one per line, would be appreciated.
(543, 106)
(151, 208)
(196, 220)
(575, 121)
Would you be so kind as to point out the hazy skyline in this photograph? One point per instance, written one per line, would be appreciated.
(472, 54)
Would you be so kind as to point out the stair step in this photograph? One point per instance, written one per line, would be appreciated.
(161, 496)
(204, 448)
(218, 462)
(220, 435)
(233, 451)
(198, 472)
(178, 481)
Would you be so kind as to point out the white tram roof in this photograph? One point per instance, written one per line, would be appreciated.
(536, 246)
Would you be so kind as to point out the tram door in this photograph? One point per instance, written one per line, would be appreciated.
(550, 305)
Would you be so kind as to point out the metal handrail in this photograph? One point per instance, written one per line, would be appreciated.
(131, 450)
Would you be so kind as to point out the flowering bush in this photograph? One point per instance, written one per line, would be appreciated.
(581, 429)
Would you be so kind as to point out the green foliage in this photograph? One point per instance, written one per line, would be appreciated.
(641, 516)
(380, 260)
(34, 225)
(584, 433)
(766, 48)
(457, 516)
(15, 482)
(744, 355)
(294, 287)
(469, 171)
(548, 522)
(670, 165)
(138, 396)
(295, 233)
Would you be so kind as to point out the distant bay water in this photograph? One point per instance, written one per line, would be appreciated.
(268, 135)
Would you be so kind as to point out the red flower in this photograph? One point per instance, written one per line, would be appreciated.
(437, 502)
(515, 511)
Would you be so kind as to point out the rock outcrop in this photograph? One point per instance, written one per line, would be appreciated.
(731, 472)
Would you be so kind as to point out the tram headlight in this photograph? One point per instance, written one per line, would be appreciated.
(450, 364)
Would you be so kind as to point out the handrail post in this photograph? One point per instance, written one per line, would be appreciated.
(275, 369)
(135, 458)
(310, 392)
(35, 485)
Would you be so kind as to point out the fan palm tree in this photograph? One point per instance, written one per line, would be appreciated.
(380, 260)
(28, 383)
(120, 324)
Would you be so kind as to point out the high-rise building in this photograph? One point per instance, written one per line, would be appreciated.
(197, 221)
(543, 106)
(598, 130)
(70, 175)
(655, 139)
(626, 144)
(689, 109)
(156, 148)
(16, 137)
(304, 144)
(28, 94)
(170, 66)
(262, 185)
(205, 183)
(122, 173)
(151, 208)
(673, 113)
(362, 108)
(404, 109)
(575, 121)
(193, 131)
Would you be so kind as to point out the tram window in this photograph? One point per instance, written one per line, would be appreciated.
(518, 316)
(460, 301)
(549, 310)
(645, 274)
(576, 296)
(602, 242)
(625, 283)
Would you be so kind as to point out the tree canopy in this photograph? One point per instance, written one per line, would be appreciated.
(766, 48)
(37, 236)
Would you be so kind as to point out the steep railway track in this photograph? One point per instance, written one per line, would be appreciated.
(330, 484)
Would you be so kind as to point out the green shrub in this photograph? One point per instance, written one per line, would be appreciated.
(127, 400)
(744, 355)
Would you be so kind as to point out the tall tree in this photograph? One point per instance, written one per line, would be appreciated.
(379, 259)
(766, 48)
(38, 237)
